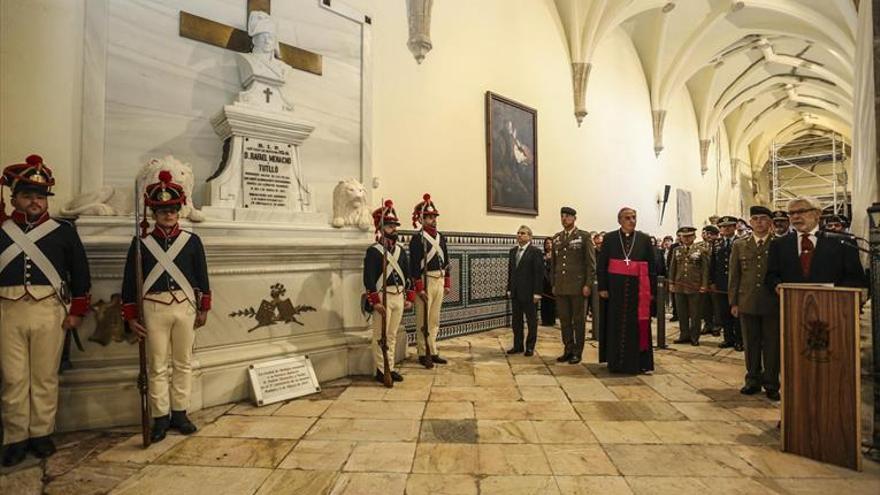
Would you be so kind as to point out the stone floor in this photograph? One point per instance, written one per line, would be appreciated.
(484, 424)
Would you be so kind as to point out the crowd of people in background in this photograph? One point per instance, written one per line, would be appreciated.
(723, 285)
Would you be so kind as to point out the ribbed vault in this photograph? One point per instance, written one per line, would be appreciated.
(762, 70)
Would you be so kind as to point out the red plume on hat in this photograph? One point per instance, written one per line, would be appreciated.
(424, 207)
(33, 175)
(385, 215)
(164, 192)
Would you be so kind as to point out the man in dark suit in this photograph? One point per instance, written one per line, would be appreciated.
(807, 256)
(525, 274)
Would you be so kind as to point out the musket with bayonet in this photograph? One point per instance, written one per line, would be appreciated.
(425, 302)
(383, 342)
(140, 232)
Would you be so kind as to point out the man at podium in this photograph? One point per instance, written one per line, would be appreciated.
(807, 255)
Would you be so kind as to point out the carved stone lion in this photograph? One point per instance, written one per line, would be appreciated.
(118, 201)
(350, 205)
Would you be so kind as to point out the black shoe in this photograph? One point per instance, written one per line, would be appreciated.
(395, 377)
(681, 341)
(181, 423)
(514, 351)
(380, 377)
(437, 359)
(574, 360)
(773, 395)
(529, 353)
(716, 332)
(695, 343)
(427, 363)
(725, 345)
(42, 447)
(738, 347)
(160, 428)
(750, 390)
(14, 453)
(563, 358)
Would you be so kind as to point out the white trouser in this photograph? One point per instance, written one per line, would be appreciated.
(393, 312)
(434, 290)
(170, 330)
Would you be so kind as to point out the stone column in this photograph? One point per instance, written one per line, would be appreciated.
(418, 15)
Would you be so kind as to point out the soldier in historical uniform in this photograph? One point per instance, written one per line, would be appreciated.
(689, 276)
(719, 260)
(711, 324)
(398, 294)
(756, 306)
(574, 269)
(431, 282)
(781, 223)
(176, 300)
(43, 267)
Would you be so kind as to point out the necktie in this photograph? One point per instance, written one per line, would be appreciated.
(519, 255)
(806, 254)
(760, 242)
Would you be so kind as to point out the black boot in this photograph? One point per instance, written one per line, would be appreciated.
(426, 362)
(380, 377)
(181, 423)
(437, 359)
(14, 453)
(42, 447)
(395, 377)
(160, 428)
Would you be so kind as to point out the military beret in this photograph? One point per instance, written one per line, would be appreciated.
(727, 220)
(760, 210)
(779, 215)
(568, 210)
(685, 231)
(711, 228)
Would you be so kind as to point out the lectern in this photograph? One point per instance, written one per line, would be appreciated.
(820, 373)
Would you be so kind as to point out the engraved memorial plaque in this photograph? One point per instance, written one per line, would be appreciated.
(282, 379)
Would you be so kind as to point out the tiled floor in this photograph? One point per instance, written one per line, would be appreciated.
(486, 423)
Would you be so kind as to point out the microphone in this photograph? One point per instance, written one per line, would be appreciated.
(840, 235)
(842, 238)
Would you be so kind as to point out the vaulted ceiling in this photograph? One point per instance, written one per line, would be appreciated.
(765, 70)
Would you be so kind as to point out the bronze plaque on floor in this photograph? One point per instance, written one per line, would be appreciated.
(820, 373)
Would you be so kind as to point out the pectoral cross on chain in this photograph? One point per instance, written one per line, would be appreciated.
(268, 93)
(217, 34)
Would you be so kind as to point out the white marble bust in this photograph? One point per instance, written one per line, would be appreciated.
(262, 73)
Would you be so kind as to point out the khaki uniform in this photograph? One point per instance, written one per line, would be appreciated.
(434, 292)
(688, 272)
(574, 267)
(394, 303)
(707, 308)
(30, 350)
(758, 310)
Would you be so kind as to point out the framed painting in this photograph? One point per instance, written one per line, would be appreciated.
(511, 156)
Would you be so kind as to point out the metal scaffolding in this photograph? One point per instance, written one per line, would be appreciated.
(812, 166)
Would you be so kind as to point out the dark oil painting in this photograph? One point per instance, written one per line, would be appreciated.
(511, 156)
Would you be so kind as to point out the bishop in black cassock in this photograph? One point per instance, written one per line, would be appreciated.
(627, 274)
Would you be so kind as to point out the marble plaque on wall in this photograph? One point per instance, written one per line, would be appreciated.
(267, 173)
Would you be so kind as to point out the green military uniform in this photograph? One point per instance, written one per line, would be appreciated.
(574, 267)
(710, 323)
(689, 272)
(758, 310)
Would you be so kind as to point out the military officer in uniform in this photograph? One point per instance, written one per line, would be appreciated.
(711, 324)
(398, 293)
(756, 306)
(176, 301)
(574, 268)
(43, 267)
(781, 223)
(719, 260)
(432, 282)
(689, 276)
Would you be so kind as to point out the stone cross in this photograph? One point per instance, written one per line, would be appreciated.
(214, 33)
(268, 93)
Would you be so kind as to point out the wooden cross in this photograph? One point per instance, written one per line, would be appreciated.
(268, 93)
(214, 33)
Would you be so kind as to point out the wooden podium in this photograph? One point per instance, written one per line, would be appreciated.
(820, 373)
